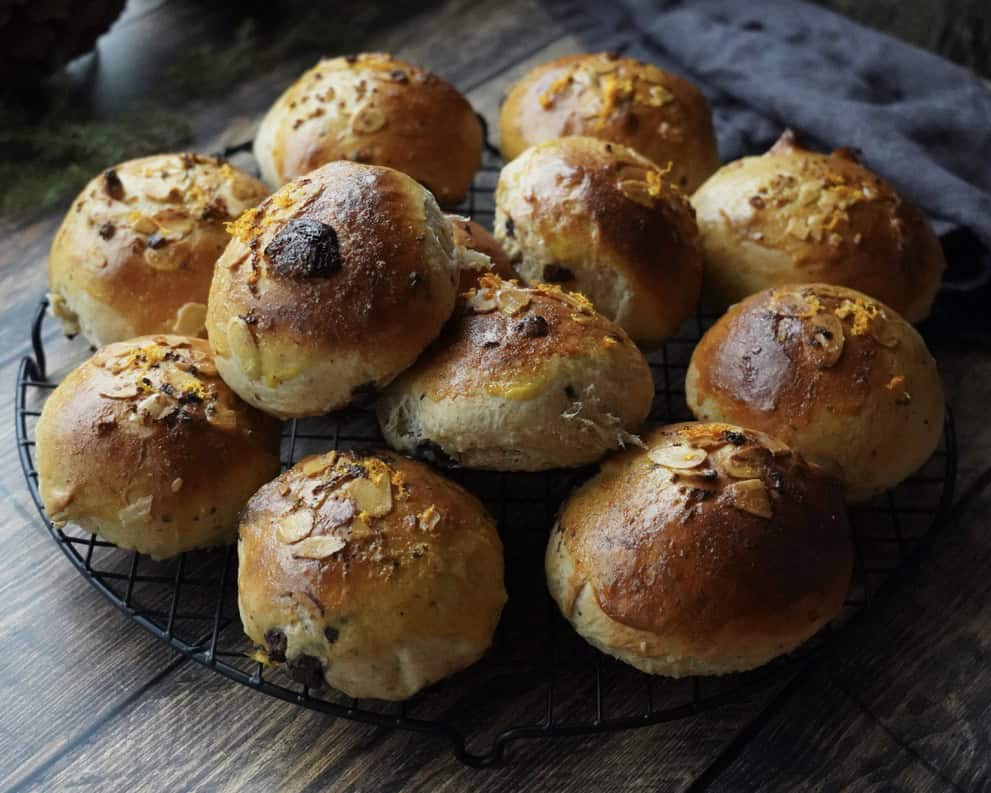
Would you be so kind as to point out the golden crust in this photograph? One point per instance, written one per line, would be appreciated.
(139, 244)
(839, 376)
(797, 216)
(352, 556)
(471, 235)
(383, 287)
(146, 446)
(598, 218)
(654, 112)
(716, 542)
(375, 109)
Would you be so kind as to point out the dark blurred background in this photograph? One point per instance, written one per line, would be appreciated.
(67, 108)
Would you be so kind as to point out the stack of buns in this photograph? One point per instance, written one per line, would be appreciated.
(698, 548)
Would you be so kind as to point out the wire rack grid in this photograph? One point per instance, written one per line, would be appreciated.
(539, 679)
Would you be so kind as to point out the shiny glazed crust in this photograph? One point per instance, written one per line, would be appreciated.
(145, 446)
(374, 109)
(838, 376)
(600, 219)
(521, 379)
(369, 571)
(621, 100)
(713, 550)
(797, 216)
(135, 253)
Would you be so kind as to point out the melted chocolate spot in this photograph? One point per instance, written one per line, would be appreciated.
(399, 76)
(305, 249)
(331, 634)
(533, 327)
(736, 438)
(113, 185)
(275, 640)
(510, 227)
(107, 230)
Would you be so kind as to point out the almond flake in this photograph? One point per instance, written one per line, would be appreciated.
(512, 301)
(482, 301)
(678, 457)
(320, 547)
(120, 391)
(221, 418)
(368, 120)
(135, 514)
(372, 497)
(638, 192)
(176, 485)
(156, 406)
(750, 496)
(745, 463)
(428, 519)
(312, 466)
(295, 526)
(190, 319)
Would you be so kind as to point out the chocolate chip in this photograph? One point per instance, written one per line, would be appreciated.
(113, 185)
(305, 248)
(351, 58)
(156, 240)
(107, 230)
(556, 274)
(734, 437)
(331, 634)
(533, 327)
(510, 227)
(399, 76)
(275, 642)
(306, 669)
(432, 453)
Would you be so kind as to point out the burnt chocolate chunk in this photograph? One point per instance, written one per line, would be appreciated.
(307, 670)
(331, 634)
(113, 185)
(305, 248)
(533, 327)
(556, 274)
(275, 643)
(432, 453)
(734, 437)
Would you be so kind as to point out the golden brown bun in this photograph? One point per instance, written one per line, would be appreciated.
(621, 100)
(330, 288)
(797, 216)
(714, 550)
(469, 234)
(144, 446)
(521, 380)
(838, 376)
(375, 109)
(369, 571)
(135, 252)
(600, 219)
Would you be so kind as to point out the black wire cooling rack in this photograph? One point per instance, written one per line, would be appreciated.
(539, 679)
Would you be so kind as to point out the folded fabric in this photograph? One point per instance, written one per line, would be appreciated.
(918, 120)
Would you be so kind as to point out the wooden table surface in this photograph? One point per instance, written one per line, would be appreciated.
(90, 701)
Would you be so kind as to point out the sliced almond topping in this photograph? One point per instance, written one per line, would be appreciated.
(678, 457)
(750, 496)
(295, 526)
(511, 301)
(824, 340)
(482, 300)
(156, 406)
(367, 120)
(136, 513)
(884, 333)
(320, 547)
(221, 418)
(176, 485)
(637, 191)
(190, 319)
(244, 347)
(790, 304)
(772, 444)
(428, 519)
(312, 466)
(745, 463)
(120, 391)
(142, 223)
(313, 492)
(372, 496)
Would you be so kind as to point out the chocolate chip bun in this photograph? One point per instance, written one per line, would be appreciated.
(135, 252)
(471, 236)
(713, 550)
(840, 377)
(370, 572)
(522, 379)
(798, 216)
(620, 100)
(375, 109)
(330, 288)
(599, 219)
(144, 446)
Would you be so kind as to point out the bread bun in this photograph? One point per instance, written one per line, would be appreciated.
(369, 571)
(144, 446)
(521, 380)
(374, 109)
(135, 253)
(797, 216)
(471, 236)
(330, 288)
(713, 550)
(600, 219)
(621, 100)
(838, 376)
